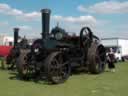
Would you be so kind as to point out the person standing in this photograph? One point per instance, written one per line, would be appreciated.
(111, 60)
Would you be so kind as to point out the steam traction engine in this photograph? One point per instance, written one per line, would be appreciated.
(15, 50)
(57, 53)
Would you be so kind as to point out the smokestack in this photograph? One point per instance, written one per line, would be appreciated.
(16, 35)
(45, 13)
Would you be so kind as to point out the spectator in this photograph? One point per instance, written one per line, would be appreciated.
(111, 60)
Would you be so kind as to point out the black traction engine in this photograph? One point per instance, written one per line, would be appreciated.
(57, 53)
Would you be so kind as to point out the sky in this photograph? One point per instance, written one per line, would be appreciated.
(106, 18)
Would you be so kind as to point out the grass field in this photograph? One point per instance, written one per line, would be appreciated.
(106, 84)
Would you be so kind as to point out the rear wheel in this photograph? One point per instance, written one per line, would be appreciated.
(57, 68)
(96, 58)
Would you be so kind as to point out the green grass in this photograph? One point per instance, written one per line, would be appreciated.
(106, 84)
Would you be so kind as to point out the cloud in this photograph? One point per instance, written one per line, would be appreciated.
(25, 30)
(5, 23)
(8, 10)
(81, 20)
(81, 8)
(69, 23)
(4, 7)
(24, 27)
(15, 12)
(19, 14)
(106, 7)
(74, 24)
(33, 16)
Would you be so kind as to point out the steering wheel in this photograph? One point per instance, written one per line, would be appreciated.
(85, 36)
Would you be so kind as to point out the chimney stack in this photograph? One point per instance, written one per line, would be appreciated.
(45, 14)
(16, 35)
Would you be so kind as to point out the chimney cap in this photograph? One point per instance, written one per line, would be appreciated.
(45, 10)
(16, 28)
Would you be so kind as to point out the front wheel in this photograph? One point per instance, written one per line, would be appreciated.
(57, 68)
(21, 64)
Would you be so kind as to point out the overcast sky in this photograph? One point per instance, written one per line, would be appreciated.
(107, 18)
